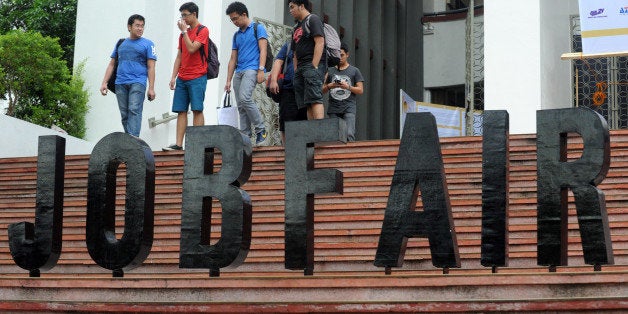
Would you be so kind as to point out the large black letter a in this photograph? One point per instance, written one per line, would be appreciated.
(419, 167)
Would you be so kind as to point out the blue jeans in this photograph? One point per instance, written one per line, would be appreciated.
(244, 84)
(349, 118)
(130, 101)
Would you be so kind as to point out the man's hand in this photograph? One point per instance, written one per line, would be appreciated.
(104, 89)
(274, 87)
(151, 94)
(182, 26)
(260, 77)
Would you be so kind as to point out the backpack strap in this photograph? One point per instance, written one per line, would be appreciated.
(255, 25)
(120, 41)
(202, 49)
(306, 25)
(285, 61)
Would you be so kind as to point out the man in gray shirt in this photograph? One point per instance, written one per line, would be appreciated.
(344, 82)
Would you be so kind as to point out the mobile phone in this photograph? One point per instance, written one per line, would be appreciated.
(337, 81)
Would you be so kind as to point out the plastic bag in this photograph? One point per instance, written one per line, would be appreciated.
(228, 113)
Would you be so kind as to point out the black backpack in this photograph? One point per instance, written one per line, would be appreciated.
(213, 65)
(269, 51)
(111, 83)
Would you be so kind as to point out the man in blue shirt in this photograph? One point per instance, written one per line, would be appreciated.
(136, 63)
(248, 57)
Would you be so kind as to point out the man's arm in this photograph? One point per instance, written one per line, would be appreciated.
(191, 46)
(261, 43)
(108, 73)
(326, 84)
(274, 74)
(151, 79)
(175, 69)
(358, 89)
(230, 69)
(319, 44)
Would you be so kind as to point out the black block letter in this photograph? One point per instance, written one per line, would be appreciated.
(556, 175)
(134, 246)
(303, 181)
(495, 166)
(419, 167)
(37, 247)
(200, 185)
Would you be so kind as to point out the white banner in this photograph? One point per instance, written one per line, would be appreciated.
(604, 26)
(450, 120)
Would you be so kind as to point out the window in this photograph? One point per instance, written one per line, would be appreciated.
(461, 4)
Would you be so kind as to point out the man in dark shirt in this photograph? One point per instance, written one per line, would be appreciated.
(288, 110)
(308, 41)
(343, 83)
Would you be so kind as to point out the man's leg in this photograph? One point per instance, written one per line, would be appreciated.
(249, 81)
(198, 118)
(245, 124)
(313, 91)
(182, 124)
(315, 111)
(349, 118)
(122, 95)
(246, 105)
(180, 104)
(137, 93)
(197, 99)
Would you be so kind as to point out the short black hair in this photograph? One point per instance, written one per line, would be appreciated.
(134, 17)
(190, 7)
(237, 7)
(306, 3)
(344, 47)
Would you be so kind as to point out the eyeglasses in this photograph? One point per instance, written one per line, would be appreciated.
(235, 18)
(184, 15)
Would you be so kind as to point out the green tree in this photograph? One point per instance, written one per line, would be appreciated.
(54, 18)
(38, 84)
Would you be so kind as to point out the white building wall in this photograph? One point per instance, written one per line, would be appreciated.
(20, 139)
(523, 71)
(512, 61)
(101, 23)
(556, 74)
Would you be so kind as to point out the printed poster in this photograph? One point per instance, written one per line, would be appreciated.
(449, 120)
(604, 26)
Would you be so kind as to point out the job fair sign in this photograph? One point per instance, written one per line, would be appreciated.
(604, 26)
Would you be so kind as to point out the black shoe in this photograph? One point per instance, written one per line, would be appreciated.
(172, 147)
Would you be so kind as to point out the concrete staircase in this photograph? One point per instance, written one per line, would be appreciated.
(347, 229)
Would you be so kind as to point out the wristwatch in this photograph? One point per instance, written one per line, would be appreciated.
(261, 68)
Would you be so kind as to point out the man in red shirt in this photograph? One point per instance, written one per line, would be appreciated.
(189, 79)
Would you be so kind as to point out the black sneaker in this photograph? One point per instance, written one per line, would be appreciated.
(261, 137)
(172, 147)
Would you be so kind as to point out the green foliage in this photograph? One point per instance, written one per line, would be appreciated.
(54, 18)
(38, 84)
